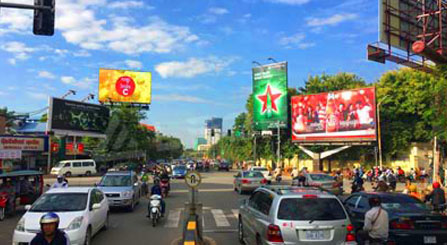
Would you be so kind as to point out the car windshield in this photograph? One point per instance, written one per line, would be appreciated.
(180, 168)
(317, 209)
(253, 175)
(321, 177)
(61, 164)
(60, 202)
(403, 204)
(115, 180)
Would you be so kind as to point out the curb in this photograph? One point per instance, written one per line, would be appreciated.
(206, 241)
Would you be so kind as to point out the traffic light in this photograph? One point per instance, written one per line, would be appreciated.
(44, 18)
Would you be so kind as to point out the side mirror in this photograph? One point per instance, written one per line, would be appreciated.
(27, 207)
(48, 185)
(96, 206)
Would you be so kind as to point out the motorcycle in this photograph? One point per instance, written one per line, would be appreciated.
(164, 184)
(356, 188)
(155, 209)
(4, 198)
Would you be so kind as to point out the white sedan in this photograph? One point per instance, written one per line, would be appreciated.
(83, 211)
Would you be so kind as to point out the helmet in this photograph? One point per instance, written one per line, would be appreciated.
(436, 185)
(413, 188)
(60, 177)
(375, 201)
(49, 218)
(156, 181)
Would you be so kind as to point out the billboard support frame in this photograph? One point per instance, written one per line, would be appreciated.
(318, 156)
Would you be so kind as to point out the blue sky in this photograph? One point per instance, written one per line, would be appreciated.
(200, 52)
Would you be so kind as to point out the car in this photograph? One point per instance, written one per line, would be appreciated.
(294, 215)
(410, 220)
(179, 172)
(83, 212)
(263, 170)
(68, 168)
(248, 181)
(324, 181)
(122, 188)
(223, 166)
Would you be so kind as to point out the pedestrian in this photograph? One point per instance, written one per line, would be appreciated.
(437, 198)
(60, 182)
(375, 228)
(50, 234)
(278, 174)
(295, 173)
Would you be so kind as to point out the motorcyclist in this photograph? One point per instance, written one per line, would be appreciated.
(392, 180)
(156, 190)
(437, 197)
(164, 177)
(60, 183)
(375, 227)
(381, 185)
(278, 174)
(50, 234)
(357, 184)
(145, 180)
(9, 189)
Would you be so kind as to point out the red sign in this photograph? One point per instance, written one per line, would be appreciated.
(69, 147)
(125, 86)
(348, 115)
(54, 147)
(80, 148)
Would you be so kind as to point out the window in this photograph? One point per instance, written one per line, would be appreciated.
(67, 165)
(99, 196)
(265, 203)
(93, 198)
(319, 209)
(254, 200)
(352, 201)
(363, 203)
(60, 202)
(77, 164)
(253, 175)
(87, 164)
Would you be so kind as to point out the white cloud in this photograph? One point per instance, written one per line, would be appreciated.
(16, 20)
(82, 53)
(19, 50)
(83, 84)
(181, 98)
(218, 11)
(125, 4)
(290, 2)
(296, 41)
(117, 34)
(192, 67)
(332, 20)
(46, 74)
(37, 95)
(68, 79)
(134, 64)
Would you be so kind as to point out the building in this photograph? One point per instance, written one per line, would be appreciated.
(199, 142)
(213, 130)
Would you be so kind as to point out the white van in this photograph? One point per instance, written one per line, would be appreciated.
(75, 167)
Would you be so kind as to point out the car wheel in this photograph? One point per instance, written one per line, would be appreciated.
(88, 236)
(67, 174)
(241, 232)
(88, 173)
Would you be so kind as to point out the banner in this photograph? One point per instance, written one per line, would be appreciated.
(340, 116)
(270, 96)
(10, 154)
(77, 116)
(125, 86)
(23, 143)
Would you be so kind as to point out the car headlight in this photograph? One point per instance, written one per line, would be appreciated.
(128, 194)
(21, 225)
(75, 224)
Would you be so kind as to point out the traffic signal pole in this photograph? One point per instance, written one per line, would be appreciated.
(24, 6)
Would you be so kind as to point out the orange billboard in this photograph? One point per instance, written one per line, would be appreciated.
(125, 86)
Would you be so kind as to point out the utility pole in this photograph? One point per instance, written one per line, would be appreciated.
(254, 148)
(379, 131)
(278, 150)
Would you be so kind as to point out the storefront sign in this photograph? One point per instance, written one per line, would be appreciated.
(23, 143)
(10, 154)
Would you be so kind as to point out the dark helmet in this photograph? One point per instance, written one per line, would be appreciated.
(375, 201)
(50, 218)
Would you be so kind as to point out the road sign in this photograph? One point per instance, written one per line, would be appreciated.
(193, 179)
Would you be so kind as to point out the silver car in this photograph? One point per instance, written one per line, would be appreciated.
(122, 189)
(248, 181)
(322, 180)
(294, 215)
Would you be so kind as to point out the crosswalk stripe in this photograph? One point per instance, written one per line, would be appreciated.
(235, 213)
(219, 217)
(173, 219)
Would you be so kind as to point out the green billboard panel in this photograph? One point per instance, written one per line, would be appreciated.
(270, 96)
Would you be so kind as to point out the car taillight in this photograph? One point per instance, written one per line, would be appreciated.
(263, 181)
(404, 225)
(310, 196)
(245, 181)
(274, 234)
(350, 237)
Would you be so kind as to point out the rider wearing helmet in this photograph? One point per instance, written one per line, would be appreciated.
(437, 197)
(50, 234)
(60, 183)
(156, 190)
(375, 228)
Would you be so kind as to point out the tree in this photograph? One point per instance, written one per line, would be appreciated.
(10, 117)
(327, 83)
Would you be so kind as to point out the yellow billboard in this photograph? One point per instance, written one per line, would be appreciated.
(125, 86)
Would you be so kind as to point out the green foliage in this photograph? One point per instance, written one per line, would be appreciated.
(327, 83)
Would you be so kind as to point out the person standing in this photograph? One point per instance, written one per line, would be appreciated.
(49, 232)
(60, 182)
(375, 228)
(437, 198)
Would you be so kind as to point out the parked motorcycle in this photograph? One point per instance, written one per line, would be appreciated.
(155, 209)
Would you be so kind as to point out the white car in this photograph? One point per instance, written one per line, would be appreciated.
(263, 170)
(83, 211)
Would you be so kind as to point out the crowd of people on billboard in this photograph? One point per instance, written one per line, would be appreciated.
(350, 110)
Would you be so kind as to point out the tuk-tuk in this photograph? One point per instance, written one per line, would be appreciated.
(24, 185)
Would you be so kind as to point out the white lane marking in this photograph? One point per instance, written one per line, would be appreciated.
(173, 219)
(219, 217)
(203, 220)
(235, 213)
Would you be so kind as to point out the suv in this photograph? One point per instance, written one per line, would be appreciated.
(122, 189)
(294, 215)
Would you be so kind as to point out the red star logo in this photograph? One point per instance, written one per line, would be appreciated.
(264, 99)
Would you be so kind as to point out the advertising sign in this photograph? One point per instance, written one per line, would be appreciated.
(125, 86)
(77, 116)
(340, 116)
(270, 96)
(10, 154)
(23, 143)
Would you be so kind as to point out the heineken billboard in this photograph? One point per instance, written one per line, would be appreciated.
(270, 96)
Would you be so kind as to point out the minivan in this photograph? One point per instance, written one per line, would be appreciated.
(75, 167)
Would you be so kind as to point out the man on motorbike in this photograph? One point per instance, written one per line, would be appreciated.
(145, 180)
(437, 198)
(357, 184)
(381, 185)
(156, 190)
(60, 183)
(375, 228)
(10, 190)
(50, 234)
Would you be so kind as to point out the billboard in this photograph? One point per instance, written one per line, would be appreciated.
(270, 96)
(214, 123)
(74, 116)
(341, 116)
(125, 86)
(23, 143)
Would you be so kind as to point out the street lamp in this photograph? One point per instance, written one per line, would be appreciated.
(378, 129)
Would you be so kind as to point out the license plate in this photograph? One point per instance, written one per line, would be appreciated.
(314, 235)
(429, 240)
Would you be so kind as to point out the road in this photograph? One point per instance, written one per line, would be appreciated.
(220, 209)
